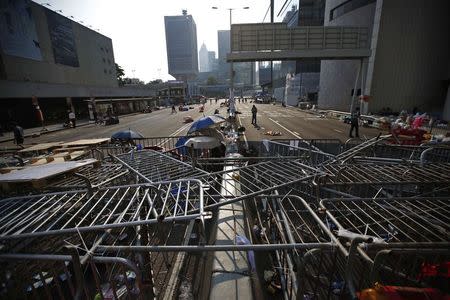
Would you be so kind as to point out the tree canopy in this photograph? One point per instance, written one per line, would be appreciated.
(120, 73)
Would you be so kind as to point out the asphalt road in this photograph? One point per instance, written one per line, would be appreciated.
(290, 122)
(293, 123)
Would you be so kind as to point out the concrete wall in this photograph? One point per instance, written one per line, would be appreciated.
(337, 77)
(96, 67)
(412, 56)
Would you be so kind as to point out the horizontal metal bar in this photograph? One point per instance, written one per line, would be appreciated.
(231, 247)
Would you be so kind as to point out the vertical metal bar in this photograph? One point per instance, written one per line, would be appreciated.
(81, 288)
(58, 284)
(44, 283)
(96, 279)
(355, 86)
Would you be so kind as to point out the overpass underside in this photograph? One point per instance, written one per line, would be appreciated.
(276, 41)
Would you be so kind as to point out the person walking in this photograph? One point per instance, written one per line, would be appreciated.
(72, 119)
(174, 109)
(354, 122)
(254, 112)
(18, 134)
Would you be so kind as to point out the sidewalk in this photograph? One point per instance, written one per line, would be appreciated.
(29, 132)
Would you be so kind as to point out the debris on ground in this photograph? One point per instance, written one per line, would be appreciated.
(188, 119)
(273, 133)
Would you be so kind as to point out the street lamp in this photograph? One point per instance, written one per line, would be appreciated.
(232, 104)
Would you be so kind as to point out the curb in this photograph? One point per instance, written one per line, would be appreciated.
(44, 132)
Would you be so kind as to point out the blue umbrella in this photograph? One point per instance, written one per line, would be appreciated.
(180, 143)
(205, 122)
(126, 135)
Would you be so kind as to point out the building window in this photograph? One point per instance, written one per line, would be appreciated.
(109, 61)
(101, 48)
(348, 6)
(104, 71)
(104, 60)
(107, 51)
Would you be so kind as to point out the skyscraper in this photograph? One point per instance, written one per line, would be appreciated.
(223, 39)
(212, 61)
(203, 58)
(181, 44)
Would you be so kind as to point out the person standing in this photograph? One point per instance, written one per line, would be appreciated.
(72, 119)
(254, 112)
(18, 134)
(354, 122)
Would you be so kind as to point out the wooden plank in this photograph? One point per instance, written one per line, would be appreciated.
(86, 142)
(41, 147)
(45, 171)
(71, 149)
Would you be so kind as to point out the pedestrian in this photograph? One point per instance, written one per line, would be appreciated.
(354, 122)
(173, 109)
(72, 119)
(18, 134)
(254, 112)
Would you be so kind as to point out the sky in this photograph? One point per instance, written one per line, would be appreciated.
(136, 27)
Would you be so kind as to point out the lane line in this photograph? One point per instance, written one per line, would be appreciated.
(337, 130)
(163, 142)
(291, 132)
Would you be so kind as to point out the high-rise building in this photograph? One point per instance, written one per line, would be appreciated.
(181, 45)
(212, 61)
(203, 59)
(51, 63)
(408, 68)
(223, 39)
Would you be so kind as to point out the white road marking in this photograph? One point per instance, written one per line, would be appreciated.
(291, 132)
(176, 132)
(337, 130)
(180, 129)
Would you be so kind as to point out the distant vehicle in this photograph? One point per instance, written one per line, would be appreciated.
(147, 110)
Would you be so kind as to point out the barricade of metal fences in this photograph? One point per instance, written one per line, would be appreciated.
(301, 149)
(157, 143)
(58, 276)
(409, 239)
(384, 180)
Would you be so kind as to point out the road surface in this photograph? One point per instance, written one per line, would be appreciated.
(291, 122)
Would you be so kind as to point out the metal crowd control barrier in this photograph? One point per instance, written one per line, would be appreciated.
(375, 180)
(49, 276)
(156, 166)
(302, 149)
(156, 143)
(76, 212)
(410, 237)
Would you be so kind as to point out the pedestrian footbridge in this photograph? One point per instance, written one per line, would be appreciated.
(276, 41)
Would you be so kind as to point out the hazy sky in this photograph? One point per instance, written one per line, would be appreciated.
(136, 27)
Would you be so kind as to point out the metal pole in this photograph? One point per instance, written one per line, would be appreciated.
(254, 247)
(356, 85)
(271, 62)
(232, 105)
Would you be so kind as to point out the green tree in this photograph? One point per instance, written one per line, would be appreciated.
(156, 81)
(120, 73)
(211, 80)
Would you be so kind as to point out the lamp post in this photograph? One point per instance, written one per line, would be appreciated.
(231, 101)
